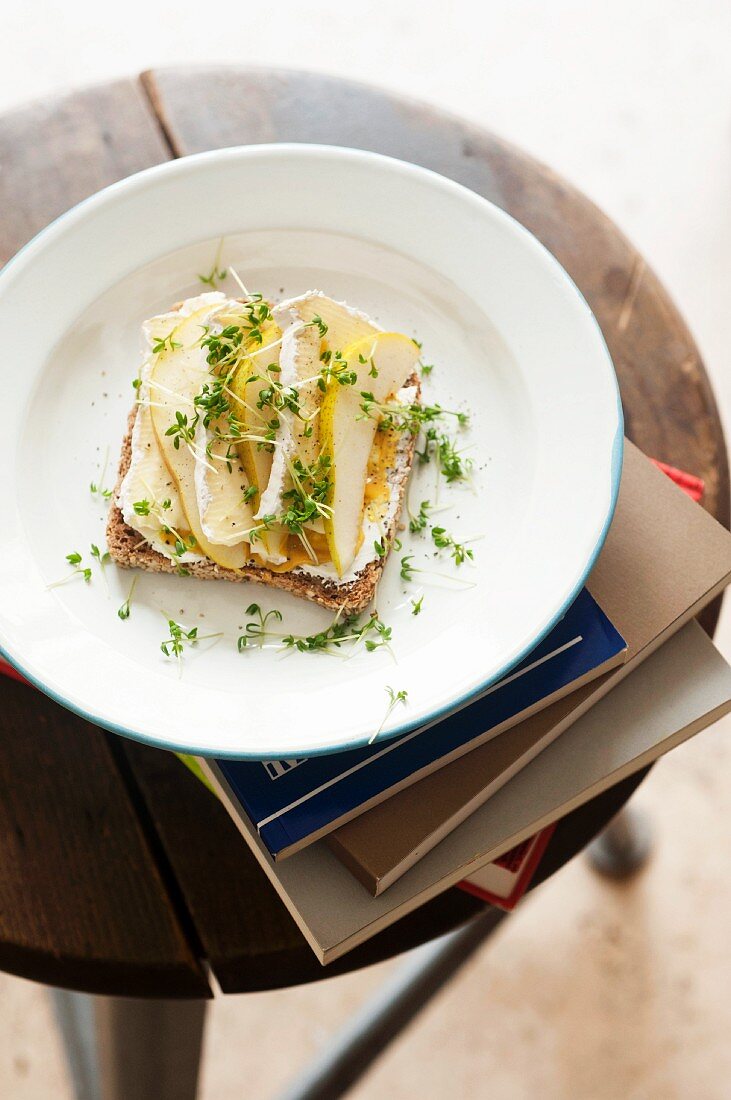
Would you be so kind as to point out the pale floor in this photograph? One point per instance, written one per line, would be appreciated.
(591, 990)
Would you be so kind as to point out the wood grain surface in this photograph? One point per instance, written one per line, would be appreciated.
(83, 903)
(118, 871)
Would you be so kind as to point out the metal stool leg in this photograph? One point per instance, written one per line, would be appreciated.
(121, 1047)
(624, 845)
(384, 1017)
(74, 1014)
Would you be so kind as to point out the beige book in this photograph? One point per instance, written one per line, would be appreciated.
(678, 691)
(664, 559)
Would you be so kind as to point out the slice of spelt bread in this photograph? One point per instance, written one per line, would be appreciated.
(129, 550)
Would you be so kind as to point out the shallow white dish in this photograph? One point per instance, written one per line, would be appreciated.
(512, 339)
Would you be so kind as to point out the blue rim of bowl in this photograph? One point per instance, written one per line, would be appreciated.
(471, 695)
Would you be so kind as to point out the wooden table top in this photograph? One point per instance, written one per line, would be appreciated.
(119, 873)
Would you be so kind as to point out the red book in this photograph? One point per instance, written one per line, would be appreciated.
(504, 881)
(8, 670)
(689, 483)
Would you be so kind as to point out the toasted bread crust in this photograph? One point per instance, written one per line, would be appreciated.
(130, 551)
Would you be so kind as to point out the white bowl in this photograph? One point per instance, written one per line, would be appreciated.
(512, 339)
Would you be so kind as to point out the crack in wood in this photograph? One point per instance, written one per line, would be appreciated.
(151, 94)
(157, 849)
(628, 305)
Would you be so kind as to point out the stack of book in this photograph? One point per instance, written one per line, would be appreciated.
(355, 840)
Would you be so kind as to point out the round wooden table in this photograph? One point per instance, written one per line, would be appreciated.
(119, 873)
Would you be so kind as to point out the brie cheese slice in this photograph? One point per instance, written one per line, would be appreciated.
(148, 481)
(303, 342)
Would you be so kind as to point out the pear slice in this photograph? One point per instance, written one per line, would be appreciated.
(257, 459)
(312, 324)
(344, 324)
(221, 488)
(148, 477)
(347, 440)
(177, 377)
(163, 325)
(306, 429)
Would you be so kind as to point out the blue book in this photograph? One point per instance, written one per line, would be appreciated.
(292, 803)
